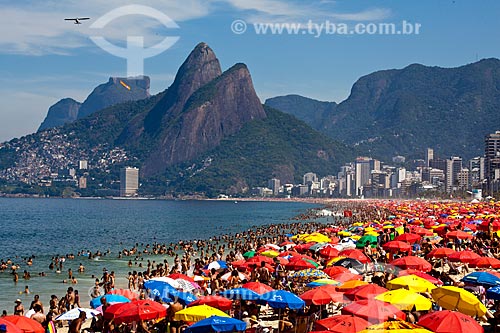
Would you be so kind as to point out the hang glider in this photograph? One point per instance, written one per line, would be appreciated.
(77, 19)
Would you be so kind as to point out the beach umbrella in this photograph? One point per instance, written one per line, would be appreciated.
(423, 275)
(483, 278)
(458, 234)
(373, 311)
(412, 283)
(454, 298)
(335, 270)
(440, 252)
(258, 259)
(135, 311)
(177, 276)
(447, 321)
(350, 263)
(217, 324)
(183, 297)
(412, 262)
(75, 313)
(197, 313)
(165, 279)
(347, 276)
(270, 253)
(397, 246)
(408, 237)
(217, 302)
(289, 254)
(493, 293)
(240, 294)
(258, 287)
(241, 276)
(321, 296)
(218, 264)
(395, 326)
(125, 292)
(328, 251)
(27, 325)
(280, 299)
(190, 286)
(341, 324)
(309, 273)
(322, 282)
(351, 284)
(367, 240)
(368, 291)
(301, 263)
(249, 254)
(355, 254)
(464, 256)
(485, 262)
(110, 298)
(405, 300)
(11, 328)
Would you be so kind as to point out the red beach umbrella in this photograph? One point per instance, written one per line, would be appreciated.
(176, 276)
(440, 252)
(258, 287)
(397, 246)
(217, 302)
(135, 311)
(464, 256)
(459, 234)
(408, 237)
(27, 325)
(258, 259)
(331, 271)
(318, 296)
(300, 264)
(373, 311)
(355, 254)
(346, 276)
(329, 252)
(412, 262)
(450, 322)
(368, 291)
(421, 274)
(342, 324)
(11, 328)
(485, 262)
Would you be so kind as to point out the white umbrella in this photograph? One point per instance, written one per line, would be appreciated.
(242, 276)
(185, 285)
(75, 313)
(274, 246)
(168, 280)
(29, 313)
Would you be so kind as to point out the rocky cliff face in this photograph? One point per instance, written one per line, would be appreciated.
(64, 111)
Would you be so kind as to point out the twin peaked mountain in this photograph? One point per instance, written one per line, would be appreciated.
(208, 132)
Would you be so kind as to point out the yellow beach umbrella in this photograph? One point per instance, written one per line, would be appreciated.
(344, 233)
(455, 298)
(317, 237)
(369, 229)
(198, 312)
(395, 326)
(270, 254)
(412, 283)
(405, 300)
(358, 224)
(331, 262)
(355, 237)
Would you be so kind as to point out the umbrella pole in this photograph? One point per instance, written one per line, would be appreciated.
(279, 315)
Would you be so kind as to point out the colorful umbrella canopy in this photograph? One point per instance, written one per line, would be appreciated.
(301, 263)
(258, 287)
(309, 273)
(483, 278)
(440, 252)
(27, 325)
(347, 276)
(367, 240)
(249, 254)
(110, 298)
(459, 235)
(493, 293)
(177, 276)
(217, 302)
(280, 299)
(405, 300)
(125, 292)
(217, 324)
(355, 254)
(328, 251)
(368, 291)
(75, 313)
(423, 275)
(322, 282)
(395, 326)
(165, 279)
(341, 324)
(197, 313)
(397, 246)
(485, 262)
(331, 271)
(464, 256)
(454, 298)
(11, 328)
(135, 311)
(321, 296)
(219, 264)
(240, 294)
(408, 237)
(351, 284)
(258, 259)
(373, 311)
(412, 262)
(348, 263)
(450, 322)
(412, 283)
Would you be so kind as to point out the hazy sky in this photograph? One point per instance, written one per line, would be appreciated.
(44, 58)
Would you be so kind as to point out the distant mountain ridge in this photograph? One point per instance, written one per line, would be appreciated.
(116, 90)
(404, 111)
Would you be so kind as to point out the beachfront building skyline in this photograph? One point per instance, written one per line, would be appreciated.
(129, 182)
(492, 161)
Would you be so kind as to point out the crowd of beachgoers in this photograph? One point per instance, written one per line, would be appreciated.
(365, 263)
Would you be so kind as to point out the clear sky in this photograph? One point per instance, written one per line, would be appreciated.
(44, 58)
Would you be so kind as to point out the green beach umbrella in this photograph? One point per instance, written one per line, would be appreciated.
(367, 239)
(249, 254)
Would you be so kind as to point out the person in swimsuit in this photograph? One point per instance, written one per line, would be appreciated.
(18, 308)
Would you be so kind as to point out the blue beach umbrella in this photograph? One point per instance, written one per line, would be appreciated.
(240, 294)
(160, 289)
(219, 264)
(217, 324)
(483, 278)
(183, 297)
(493, 293)
(280, 299)
(110, 298)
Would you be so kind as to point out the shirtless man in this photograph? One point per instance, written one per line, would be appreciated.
(69, 299)
(76, 324)
(36, 300)
(174, 324)
(38, 315)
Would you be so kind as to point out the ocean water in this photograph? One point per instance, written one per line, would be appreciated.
(45, 228)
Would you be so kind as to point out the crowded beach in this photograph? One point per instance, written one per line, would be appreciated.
(351, 266)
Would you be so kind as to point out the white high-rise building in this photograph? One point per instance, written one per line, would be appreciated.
(129, 182)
